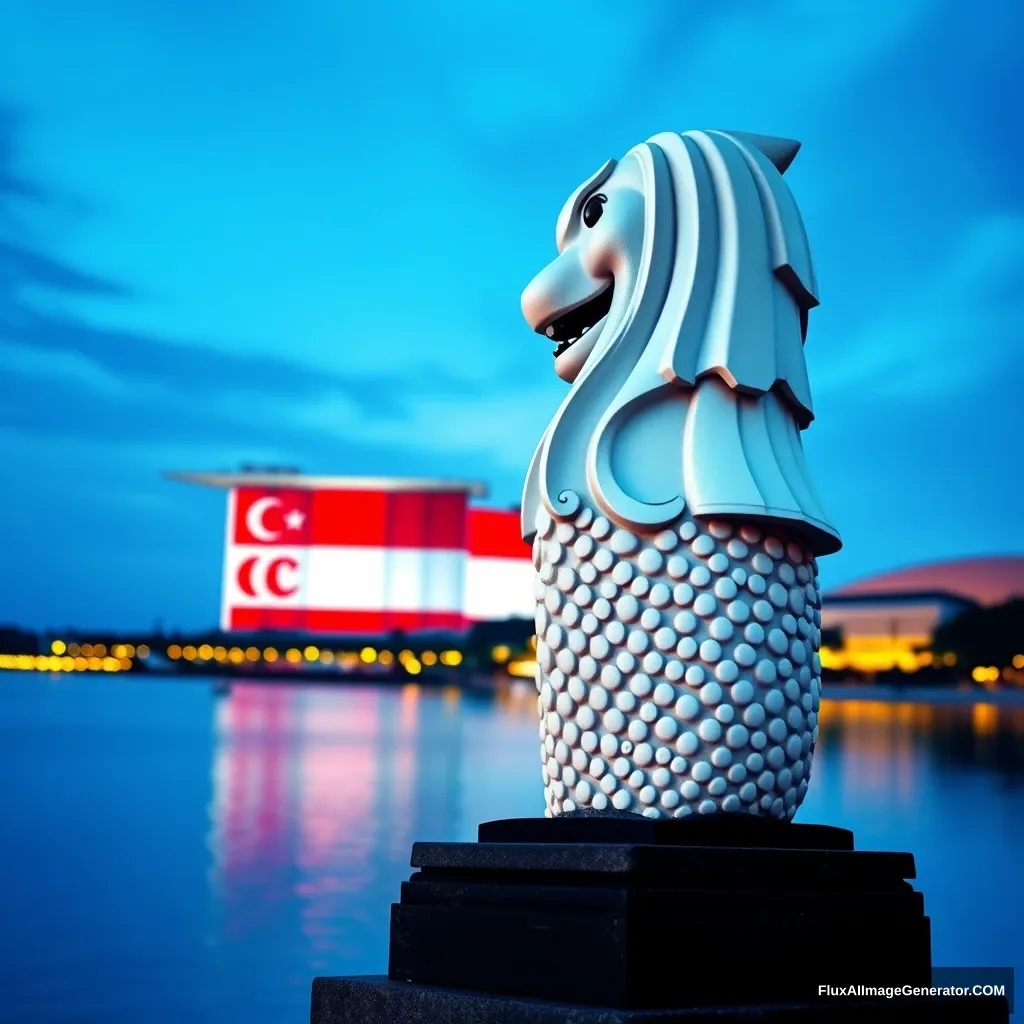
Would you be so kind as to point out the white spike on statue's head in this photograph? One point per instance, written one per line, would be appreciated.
(678, 301)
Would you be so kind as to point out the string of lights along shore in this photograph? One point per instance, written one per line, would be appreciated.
(366, 555)
(327, 572)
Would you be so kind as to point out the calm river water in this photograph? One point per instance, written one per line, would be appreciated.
(168, 855)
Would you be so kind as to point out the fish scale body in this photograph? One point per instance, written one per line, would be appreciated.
(678, 671)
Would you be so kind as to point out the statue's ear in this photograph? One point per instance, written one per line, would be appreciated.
(780, 151)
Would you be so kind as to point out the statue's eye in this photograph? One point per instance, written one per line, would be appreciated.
(593, 208)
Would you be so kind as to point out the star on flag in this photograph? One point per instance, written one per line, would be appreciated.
(294, 519)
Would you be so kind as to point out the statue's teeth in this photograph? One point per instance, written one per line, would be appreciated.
(550, 332)
(585, 329)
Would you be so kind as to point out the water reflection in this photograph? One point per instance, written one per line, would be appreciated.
(315, 793)
(900, 750)
(947, 784)
(319, 794)
(226, 850)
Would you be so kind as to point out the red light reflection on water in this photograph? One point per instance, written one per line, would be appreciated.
(251, 784)
(338, 783)
(298, 780)
(400, 838)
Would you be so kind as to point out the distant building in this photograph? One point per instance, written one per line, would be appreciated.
(365, 555)
(881, 622)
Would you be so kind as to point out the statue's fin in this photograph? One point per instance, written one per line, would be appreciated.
(781, 152)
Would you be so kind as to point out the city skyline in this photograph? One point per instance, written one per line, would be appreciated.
(300, 238)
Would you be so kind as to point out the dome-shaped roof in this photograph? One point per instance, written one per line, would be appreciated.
(988, 580)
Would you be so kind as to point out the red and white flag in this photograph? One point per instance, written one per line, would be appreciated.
(499, 574)
(344, 561)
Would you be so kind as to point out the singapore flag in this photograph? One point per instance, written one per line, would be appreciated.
(280, 518)
(367, 560)
(267, 558)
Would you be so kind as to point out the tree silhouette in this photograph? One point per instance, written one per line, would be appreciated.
(991, 635)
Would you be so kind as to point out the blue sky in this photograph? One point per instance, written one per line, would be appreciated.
(296, 231)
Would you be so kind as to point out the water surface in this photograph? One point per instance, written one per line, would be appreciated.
(169, 855)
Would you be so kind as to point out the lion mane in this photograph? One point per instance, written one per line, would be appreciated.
(696, 398)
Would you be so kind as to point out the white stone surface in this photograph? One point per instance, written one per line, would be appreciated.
(674, 521)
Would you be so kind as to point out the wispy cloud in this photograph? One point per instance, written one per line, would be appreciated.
(308, 241)
(953, 334)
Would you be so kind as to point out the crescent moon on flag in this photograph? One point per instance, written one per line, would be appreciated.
(273, 574)
(254, 519)
(245, 576)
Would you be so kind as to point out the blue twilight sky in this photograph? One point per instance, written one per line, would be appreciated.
(296, 231)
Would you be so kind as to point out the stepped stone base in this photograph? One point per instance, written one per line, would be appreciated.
(379, 1000)
(617, 918)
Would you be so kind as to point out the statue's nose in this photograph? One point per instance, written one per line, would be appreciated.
(562, 284)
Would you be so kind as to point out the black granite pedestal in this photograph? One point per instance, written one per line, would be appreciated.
(591, 918)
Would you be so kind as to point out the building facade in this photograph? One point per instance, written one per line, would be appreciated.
(366, 556)
(883, 622)
(370, 555)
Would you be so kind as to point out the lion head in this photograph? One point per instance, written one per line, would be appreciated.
(678, 306)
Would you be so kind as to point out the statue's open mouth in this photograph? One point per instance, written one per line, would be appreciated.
(572, 324)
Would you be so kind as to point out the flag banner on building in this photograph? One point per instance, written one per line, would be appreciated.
(368, 560)
(499, 574)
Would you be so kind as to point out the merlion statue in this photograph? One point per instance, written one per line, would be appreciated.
(674, 523)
